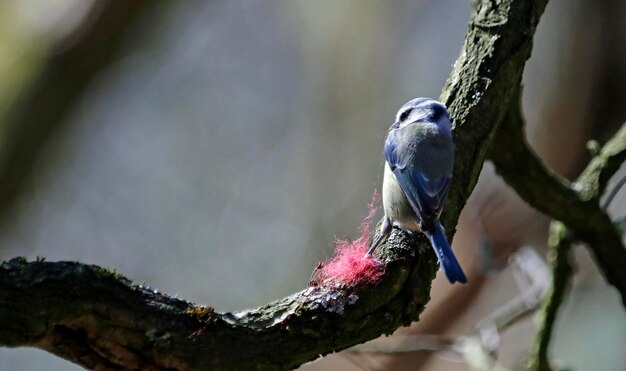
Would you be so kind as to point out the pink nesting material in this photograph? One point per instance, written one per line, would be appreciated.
(349, 264)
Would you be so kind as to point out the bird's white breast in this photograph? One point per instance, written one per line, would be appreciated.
(395, 203)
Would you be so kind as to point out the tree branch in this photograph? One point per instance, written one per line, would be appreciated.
(480, 347)
(483, 80)
(59, 306)
(560, 244)
(98, 319)
(576, 205)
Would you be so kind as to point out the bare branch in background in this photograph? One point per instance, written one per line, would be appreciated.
(44, 106)
(577, 204)
(560, 245)
(613, 192)
(479, 349)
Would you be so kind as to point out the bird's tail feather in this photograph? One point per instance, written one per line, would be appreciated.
(448, 261)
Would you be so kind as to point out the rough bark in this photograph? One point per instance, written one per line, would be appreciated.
(98, 319)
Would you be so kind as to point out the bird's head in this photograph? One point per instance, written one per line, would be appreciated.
(422, 111)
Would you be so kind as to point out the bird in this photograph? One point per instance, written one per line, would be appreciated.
(419, 154)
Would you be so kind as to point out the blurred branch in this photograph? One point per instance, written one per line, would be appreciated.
(479, 349)
(577, 204)
(99, 320)
(613, 192)
(560, 244)
(532, 275)
(44, 106)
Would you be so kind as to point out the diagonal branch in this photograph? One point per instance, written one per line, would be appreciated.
(98, 319)
(576, 205)
(483, 80)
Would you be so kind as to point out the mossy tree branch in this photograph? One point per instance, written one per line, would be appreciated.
(100, 320)
(559, 244)
(576, 205)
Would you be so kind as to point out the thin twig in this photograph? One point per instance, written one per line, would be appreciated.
(613, 192)
(560, 244)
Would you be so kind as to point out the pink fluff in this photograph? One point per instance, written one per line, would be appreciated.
(349, 265)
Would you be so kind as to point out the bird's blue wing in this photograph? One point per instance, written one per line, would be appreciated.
(391, 152)
(426, 195)
(430, 193)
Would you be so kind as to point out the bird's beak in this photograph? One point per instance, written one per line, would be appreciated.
(395, 125)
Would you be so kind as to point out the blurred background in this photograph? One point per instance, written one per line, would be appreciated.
(215, 149)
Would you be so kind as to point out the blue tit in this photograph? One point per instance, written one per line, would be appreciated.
(419, 155)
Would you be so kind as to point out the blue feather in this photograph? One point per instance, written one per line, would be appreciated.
(448, 261)
(426, 197)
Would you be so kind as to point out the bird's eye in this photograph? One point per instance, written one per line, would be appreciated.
(404, 115)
